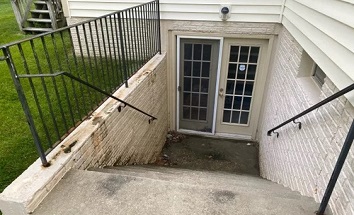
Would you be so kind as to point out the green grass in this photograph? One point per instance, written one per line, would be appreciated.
(16, 144)
(17, 150)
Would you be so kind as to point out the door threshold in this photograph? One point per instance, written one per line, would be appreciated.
(218, 135)
(235, 137)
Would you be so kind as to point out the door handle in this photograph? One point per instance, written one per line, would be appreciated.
(221, 92)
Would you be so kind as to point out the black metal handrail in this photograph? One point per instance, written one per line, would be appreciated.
(343, 154)
(321, 103)
(152, 118)
(98, 55)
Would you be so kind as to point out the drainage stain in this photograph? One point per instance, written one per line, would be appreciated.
(223, 196)
(111, 185)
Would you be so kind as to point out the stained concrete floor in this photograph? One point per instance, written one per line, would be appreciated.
(181, 189)
(159, 191)
(202, 153)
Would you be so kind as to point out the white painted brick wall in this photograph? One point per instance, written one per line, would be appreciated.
(126, 137)
(304, 159)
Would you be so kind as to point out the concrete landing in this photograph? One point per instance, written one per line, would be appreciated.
(159, 190)
(203, 153)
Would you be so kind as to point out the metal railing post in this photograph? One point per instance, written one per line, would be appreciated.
(125, 73)
(337, 169)
(159, 25)
(25, 106)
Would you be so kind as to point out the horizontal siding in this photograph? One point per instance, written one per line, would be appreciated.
(265, 18)
(243, 10)
(331, 27)
(324, 29)
(212, 9)
(335, 9)
(239, 2)
(348, 1)
(326, 32)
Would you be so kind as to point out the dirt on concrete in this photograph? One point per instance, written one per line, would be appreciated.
(202, 153)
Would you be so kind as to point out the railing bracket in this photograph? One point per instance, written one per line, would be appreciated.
(277, 133)
(120, 107)
(299, 123)
(151, 120)
(269, 133)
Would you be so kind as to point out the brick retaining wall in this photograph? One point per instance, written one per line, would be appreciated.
(304, 159)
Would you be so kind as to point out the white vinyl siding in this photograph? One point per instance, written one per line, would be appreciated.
(325, 30)
(208, 10)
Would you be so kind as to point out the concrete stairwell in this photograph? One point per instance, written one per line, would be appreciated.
(161, 190)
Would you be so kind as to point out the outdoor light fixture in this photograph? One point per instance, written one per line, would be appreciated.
(224, 12)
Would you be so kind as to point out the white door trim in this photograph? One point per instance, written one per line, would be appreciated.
(221, 39)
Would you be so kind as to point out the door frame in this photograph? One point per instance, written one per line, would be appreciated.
(221, 44)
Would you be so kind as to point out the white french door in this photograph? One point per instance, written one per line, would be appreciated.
(241, 86)
(225, 98)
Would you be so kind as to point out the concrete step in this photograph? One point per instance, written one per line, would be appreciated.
(180, 192)
(222, 180)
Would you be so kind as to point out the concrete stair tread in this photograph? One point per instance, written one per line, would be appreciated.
(204, 178)
(37, 29)
(90, 192)
(168, 171)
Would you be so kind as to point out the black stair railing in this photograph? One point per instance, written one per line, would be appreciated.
(344, 151)
(98, 56)
(337, 169)
(152, 118)
(314, 107)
